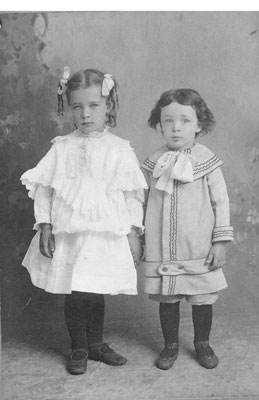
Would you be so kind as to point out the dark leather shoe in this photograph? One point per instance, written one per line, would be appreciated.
(168, 356)
(205, 354)
(77, 362)
(105, 354)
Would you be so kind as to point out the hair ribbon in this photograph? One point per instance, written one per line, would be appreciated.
(60, 91)
(66, 75)
(107, 85)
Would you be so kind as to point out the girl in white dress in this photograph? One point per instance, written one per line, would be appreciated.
(88, 196)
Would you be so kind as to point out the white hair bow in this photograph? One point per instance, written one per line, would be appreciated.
(107, 85)
(66, 74)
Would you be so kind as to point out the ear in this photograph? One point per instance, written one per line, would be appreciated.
(199, 129)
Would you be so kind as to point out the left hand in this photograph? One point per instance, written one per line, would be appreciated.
(217, 256)
(136, 246)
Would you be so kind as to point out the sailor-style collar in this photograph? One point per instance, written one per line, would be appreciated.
(183, 165)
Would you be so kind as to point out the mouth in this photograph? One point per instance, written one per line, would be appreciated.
(87, 123)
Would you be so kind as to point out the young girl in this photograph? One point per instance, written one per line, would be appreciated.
(88, 193)
(186, 222)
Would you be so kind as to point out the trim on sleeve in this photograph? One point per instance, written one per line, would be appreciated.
(223, 233)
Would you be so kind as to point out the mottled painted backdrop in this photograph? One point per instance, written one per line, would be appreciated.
(216, 53)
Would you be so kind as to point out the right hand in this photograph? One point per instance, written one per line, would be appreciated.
(136, 246)
(47, 240)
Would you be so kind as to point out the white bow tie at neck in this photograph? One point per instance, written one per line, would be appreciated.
(107, 84)
(173, 165)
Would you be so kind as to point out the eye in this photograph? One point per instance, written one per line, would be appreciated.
(169, 120)
(186, 120)
(93, 105)
(76, 106)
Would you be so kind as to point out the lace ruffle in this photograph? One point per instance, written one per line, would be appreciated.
(129, 181)
(88, 193)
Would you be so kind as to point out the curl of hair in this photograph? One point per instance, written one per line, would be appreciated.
(186, 97)
(113, 101)
(93, 77)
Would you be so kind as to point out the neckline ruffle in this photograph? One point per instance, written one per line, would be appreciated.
(91, 135)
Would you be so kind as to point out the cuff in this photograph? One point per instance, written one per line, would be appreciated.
(41, 219)
(223, 234)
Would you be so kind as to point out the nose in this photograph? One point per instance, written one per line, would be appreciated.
(85, 112)
(176, 126)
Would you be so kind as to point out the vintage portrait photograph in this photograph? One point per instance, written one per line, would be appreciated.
(129, 204)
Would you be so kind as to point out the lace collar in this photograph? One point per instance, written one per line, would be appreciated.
(94, 134)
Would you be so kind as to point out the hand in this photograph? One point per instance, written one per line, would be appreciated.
(217, 256)
(136, 246)
(47, 240)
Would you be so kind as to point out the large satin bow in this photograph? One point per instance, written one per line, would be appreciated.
(107, 85)
(173, 165)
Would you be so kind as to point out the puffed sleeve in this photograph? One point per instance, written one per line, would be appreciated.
(130, 179)
(42, 205)
(220, 203)
(42, 174)
(135, 197)
(128, 175)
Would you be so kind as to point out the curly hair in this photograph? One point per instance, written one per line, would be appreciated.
(186, 97)
(91, 77)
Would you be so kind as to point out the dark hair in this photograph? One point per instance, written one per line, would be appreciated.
(91, 77)
(186, 97)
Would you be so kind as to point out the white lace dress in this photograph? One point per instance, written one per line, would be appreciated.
(90, 188)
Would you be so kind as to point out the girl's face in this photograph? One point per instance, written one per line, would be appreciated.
(89, 109)
(179, 125)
